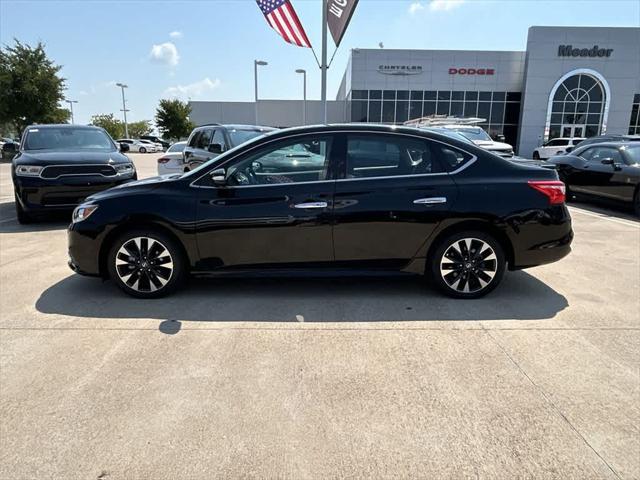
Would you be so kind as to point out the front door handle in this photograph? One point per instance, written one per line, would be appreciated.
(430, 200)
(311, 205)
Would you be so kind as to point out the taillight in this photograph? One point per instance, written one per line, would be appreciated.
(163, 160)
(553, 189)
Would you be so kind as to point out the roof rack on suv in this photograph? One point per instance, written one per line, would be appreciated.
(434, 120)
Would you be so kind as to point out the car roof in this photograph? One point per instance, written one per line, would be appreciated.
(612, 143)
(62, 125)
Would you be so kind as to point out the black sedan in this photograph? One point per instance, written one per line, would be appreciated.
(346, 198)
(608, 171)
(58, 166)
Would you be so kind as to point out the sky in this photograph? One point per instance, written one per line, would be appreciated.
(204, 49)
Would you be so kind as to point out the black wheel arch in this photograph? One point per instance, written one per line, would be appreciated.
(476, 225)
(153, 225)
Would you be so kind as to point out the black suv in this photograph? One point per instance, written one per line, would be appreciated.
(330, 199)
(57, 166)
(209, 141)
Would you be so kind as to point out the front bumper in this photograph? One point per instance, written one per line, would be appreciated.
(42, 195)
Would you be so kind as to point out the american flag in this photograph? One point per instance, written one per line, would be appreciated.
(283, 19)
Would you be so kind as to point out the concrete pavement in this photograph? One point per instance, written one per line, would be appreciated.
(307, 378)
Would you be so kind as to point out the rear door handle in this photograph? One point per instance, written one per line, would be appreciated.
(430, 200)
(311, 205)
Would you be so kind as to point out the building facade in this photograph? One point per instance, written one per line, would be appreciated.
(570, 81)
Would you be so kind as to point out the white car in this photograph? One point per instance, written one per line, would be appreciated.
(138, 146)
(556, 146)
(482, 139)
(157, 146)
(173, 160)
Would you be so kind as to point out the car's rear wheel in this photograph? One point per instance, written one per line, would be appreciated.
(636, 203)
(536, 156)
(146, 264)
(143, 150)
(467, 264)
(23, 217)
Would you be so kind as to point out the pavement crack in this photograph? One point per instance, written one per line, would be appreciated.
(546, 397)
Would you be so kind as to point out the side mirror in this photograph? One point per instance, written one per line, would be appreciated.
(500, 138)
(215, 148)
(219, 177)
(607, 161)
(124, 147)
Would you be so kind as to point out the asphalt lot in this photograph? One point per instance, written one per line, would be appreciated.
(304, 378)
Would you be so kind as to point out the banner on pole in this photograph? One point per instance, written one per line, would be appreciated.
(339, 13)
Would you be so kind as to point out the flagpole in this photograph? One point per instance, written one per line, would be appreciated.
(323, 66)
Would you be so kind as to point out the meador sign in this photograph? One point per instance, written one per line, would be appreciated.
(569, 51)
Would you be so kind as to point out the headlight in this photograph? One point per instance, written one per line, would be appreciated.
(124, 168)
(82, 212)
(28, 170)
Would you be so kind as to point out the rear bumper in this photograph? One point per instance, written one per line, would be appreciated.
(541, 237)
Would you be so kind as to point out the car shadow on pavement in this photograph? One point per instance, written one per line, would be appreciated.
(9, 222)
(345, 299)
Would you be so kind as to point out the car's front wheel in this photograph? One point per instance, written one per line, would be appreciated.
(143, 150)
(467, 264)
(146, 264)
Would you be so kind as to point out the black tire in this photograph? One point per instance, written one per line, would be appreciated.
(536, 156)
(475, 270)
(636, 203)
(156, 255)
(23, 217)
(143, 150)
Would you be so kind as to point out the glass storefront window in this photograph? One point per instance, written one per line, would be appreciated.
(634, 122)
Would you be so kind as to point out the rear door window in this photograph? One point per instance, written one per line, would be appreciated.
(372, 156)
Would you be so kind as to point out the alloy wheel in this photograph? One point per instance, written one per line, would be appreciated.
(468, 265)
(144, 264)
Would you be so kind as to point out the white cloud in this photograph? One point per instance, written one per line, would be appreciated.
(193, 90)
(165, 53)
(176, 34)
(444, 5)
(434, 6)
(415, 7)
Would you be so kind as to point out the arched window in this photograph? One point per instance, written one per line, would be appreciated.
(577, 107)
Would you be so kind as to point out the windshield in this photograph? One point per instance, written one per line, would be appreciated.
(238, 137)
(474, 134)
(633, 152)
(176, 147)
(65, 138)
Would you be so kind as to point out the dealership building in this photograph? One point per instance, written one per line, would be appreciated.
(570, 81)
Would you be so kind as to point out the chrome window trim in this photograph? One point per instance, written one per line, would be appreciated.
(471, 161)
(117, 174)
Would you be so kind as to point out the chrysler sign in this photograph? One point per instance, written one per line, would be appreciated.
(400, 69)
(569, 51)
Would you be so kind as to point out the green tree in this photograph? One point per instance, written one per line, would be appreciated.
(111, 124)
(30, 87)
(172, 119)
(137, 129)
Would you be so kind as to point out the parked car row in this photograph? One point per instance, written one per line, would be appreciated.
(141, 145)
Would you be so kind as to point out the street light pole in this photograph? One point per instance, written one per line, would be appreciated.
(71, 102)
(257, 63)
(304, 95)
(124, 108)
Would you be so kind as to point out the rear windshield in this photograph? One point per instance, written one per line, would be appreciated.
(176, 147)
(67, 139)
(238, 137)
(474, 134)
